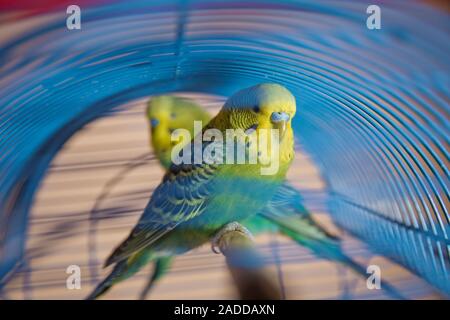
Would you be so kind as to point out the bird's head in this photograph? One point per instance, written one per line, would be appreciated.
(264, 106)
(165, 114)
(160, 115)
(159, 111)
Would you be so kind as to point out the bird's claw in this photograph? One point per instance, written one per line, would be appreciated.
(230, 227)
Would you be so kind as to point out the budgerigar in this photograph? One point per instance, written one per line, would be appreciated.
(195, 202)
(166, 114)
(285, 212)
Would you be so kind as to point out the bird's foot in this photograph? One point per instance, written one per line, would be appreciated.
(230, 227)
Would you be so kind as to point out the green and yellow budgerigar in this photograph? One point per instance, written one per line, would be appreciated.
(166, 114)
(285, 212)
(195, 202)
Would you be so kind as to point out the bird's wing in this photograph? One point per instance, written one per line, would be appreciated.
(286, 210)
(181, 196)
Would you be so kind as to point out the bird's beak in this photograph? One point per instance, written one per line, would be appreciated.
(154, 122)
(279, 121)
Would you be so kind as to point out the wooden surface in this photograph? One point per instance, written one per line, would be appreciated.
(59, 227)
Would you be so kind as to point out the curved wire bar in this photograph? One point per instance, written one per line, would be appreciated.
(372, 104)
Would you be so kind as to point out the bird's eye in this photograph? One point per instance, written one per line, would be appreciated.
(256, 109)
(154, 122)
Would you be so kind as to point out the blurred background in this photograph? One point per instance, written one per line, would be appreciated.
(372, 125)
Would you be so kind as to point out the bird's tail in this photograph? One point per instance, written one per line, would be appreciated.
(122, 270)
(330, 248)
(161, 267)
(108, 282)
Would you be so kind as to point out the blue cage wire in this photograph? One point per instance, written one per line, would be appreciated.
(373, 104)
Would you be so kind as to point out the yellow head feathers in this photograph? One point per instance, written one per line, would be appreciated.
(167, 113)
(261, 107)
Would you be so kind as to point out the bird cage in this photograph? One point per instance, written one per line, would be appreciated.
(76, 169)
